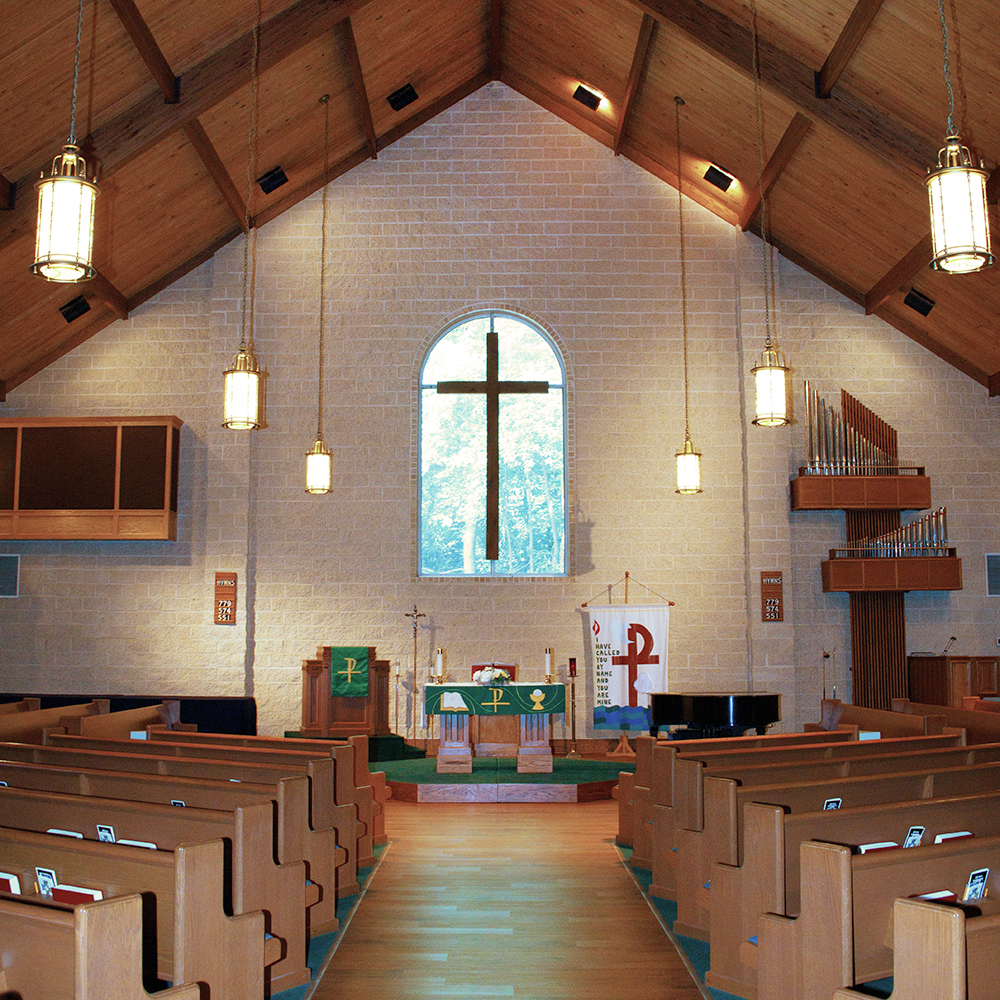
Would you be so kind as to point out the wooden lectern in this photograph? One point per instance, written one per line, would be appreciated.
(324, 715)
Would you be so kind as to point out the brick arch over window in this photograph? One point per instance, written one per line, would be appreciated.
(492, 450)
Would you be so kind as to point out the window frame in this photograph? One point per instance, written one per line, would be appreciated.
(421, 386)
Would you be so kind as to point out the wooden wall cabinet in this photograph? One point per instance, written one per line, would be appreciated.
(946, 680)
(89, 478)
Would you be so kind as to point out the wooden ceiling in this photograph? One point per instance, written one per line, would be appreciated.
(165, 88)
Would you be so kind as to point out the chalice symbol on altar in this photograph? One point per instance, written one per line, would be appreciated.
(537, 696)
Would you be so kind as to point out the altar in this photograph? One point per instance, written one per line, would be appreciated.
(457, 703)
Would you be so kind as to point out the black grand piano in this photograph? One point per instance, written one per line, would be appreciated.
(713, 714)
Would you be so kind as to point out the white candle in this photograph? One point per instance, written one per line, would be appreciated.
(548, 659)
(440, 661)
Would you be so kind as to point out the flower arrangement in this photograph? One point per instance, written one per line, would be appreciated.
(491, 677)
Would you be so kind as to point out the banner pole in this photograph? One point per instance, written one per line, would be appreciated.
(623, 749)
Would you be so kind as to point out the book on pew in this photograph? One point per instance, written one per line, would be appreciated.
(75, 894)
(47, 881)
(138, 843)
(940, 896)
(10, 883)
(64, 833)
(976, 887)
(105, 833)
(880, 845)
(913, 836)
(957, 835)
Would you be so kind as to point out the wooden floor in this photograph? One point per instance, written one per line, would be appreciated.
(504, 900)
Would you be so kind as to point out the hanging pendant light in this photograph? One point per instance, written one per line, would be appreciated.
(241, 407)
(319, 463)
(960, 228)
(688, 458)
(64, 235)
(770, 373)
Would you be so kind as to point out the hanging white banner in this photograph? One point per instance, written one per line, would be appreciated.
(629, 647)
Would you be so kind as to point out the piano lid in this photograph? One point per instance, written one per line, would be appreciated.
(715, 709)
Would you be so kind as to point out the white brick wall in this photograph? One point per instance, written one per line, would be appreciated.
(494, 203)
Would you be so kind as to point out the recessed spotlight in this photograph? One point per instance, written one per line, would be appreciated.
(722, 179)
(398, 99)
(74, 308)
(588, 98)
(272, 179)
(918, 301)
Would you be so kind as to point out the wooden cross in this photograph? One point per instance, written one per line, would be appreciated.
(492, 387)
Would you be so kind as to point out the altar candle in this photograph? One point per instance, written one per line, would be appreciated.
(440, 662)
(397, 669)
(548, 659)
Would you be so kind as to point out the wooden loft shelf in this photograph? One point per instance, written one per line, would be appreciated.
(903, 492)
(891, 573)
(91, 478)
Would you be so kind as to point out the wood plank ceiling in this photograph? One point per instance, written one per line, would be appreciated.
(853, 106)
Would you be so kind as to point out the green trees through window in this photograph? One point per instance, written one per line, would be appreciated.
(492, 451)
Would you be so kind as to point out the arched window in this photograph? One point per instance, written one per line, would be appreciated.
(492, 451)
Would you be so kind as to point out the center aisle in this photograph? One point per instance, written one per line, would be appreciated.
(504, 900)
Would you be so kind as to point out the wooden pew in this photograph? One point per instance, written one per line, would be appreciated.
(343, 793)
(653, 779)
(24, 705)
(982, 727)
(279, 891)
(193, 932)
(30, 726)
(356, 771)
(92, 952)
(324, 812)
(120, 725)
(297, 839)
(767, 880)
(835, 713)
(721, 838)
(844, 934)
(940, 953)
(826, 760)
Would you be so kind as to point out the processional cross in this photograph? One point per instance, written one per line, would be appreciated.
(414, 614)
(492, 387)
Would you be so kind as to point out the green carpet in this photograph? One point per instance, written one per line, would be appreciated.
(502, 771)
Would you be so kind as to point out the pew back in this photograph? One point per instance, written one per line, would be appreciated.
(30, 726)
(120, 725)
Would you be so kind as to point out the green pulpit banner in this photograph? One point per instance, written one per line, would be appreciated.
(349, 671)
(508, 699)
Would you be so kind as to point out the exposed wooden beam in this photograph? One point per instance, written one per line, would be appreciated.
(145, 43)
(199, 139)
(496, 42)
(843, 48)
(215, 78)
(635, 74)
(102, 289)
(779, 159)
(7, 190)
(993, 384)
(901, 273)
(358, 79)
(808, 264)
(784, 75)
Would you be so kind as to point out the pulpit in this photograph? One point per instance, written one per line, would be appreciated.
(327, 715)
(459, 704)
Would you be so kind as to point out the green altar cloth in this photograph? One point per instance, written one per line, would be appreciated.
(510, 699)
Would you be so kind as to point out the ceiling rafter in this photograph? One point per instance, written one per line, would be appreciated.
(209, 156)
(215, 78)
(784, 75)
(635, 74)
(844, 47)
(496, 39)
(900, 274)
(358, 79)
(142, 38)
(789, 142)
(107, 293)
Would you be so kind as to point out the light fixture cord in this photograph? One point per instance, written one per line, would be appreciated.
(947, 69)
(768, 250)
(325, 101)
(678, 101)
(250, 243)
(76, 75)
